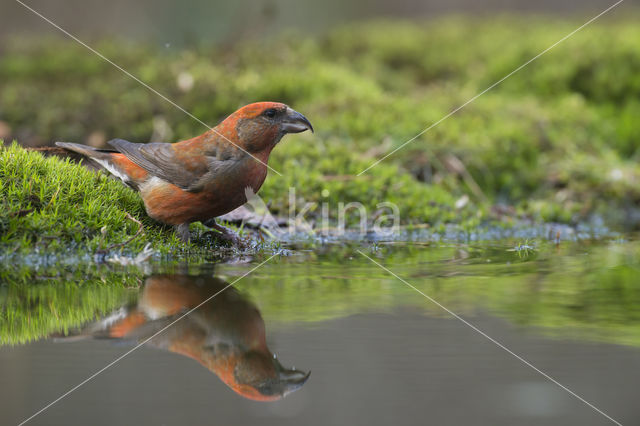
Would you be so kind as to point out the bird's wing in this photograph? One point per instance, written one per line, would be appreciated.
(162, 160)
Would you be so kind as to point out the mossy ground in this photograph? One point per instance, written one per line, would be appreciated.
(558, 140)
(50, 204)
(53, 206)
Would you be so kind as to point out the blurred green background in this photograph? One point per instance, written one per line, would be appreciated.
(558, 141)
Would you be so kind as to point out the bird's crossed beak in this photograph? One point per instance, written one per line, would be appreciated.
(289, 380)
(294, 122)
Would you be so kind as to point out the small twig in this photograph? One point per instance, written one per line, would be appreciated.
(457, 166)
(138, 232)
(53, 198)
(342, 178)
(267, 232)
(21, 213)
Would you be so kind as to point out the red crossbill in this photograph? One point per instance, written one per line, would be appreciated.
(204, 177)
(226, 335)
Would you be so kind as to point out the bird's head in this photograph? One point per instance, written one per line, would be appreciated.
(261, 125)
(258, 375)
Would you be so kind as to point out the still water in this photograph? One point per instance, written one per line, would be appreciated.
(326, 336)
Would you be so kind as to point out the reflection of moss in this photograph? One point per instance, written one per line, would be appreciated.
(561, 291)
(32, 306)
(558, 290)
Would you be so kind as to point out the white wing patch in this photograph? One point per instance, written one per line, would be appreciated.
(150, 183)
(112, 169)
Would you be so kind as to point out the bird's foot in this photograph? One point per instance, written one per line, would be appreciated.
(225, 234)
(183, 232)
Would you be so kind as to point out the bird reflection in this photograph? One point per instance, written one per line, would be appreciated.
(226, 335)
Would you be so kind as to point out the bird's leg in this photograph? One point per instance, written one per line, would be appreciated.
(227, 234)
(183, 232)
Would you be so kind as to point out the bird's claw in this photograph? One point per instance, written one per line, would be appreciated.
(232, 237)
(183, 232)
(223, 233)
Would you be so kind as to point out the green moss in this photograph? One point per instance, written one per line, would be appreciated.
(312, 167)
(50, 205)
(558, 140)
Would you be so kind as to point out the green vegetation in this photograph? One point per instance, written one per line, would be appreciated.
(49, 205)
(558, 140)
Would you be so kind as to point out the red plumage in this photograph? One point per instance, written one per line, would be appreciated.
(204, 177)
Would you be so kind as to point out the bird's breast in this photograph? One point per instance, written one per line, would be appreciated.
(222, 193)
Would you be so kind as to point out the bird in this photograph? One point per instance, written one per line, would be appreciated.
(199, 179)
(225, 334)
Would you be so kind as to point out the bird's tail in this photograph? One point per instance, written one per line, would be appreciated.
(87, 151)
(115, 325)
(111, 161)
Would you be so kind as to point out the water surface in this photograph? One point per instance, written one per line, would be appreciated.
(378, 352)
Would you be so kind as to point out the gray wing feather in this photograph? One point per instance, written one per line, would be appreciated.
(159, 159)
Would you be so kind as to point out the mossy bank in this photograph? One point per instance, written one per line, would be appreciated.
(51, 205)
(557, 141)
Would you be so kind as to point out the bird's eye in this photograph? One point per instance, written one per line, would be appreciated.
(270, 113)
